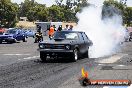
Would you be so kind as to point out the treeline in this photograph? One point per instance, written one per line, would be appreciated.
(11, 12)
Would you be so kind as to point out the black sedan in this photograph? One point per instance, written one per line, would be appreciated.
(72, 44)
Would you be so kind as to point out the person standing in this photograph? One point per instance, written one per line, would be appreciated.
(66, 28)
(59, 28)
(71, 28)
(51, 31)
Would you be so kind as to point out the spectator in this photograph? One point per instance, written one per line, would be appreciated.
(54, 27)
(71, 28)
(59, 28)
(51, 31)
(66, 28)
(38, 28)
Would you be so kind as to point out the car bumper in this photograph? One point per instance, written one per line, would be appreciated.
(7, 39)
(55, 50)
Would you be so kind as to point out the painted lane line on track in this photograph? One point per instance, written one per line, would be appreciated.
(111, 59)
(15, 54)
(121, 65)
(118, 86)
(33, 57)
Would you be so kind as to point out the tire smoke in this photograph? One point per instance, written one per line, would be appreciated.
(103, 25)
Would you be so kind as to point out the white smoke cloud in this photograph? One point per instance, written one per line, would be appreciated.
(105, 34)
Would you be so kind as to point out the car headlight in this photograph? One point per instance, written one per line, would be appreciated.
(67, 47)
(41, 46)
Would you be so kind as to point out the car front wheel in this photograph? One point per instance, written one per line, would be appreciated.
(25, 39)
(0, 41)
(75, 55)
(43, 56)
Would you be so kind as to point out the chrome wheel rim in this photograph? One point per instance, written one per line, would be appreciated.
(75, 55)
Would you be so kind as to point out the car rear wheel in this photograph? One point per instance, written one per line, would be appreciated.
(75, 55)
(86, 55)
(43, 56)
(0, 41)
(25, 39)
(9, 42)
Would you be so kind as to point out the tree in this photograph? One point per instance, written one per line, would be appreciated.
(56, 13)
(8, 13)
(125, 11)
(112, 7)
(25, 7)
(128, 16)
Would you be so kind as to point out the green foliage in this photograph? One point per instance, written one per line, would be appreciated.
(126, 12)
(56, 13)
(61, 11)
(8, 13)
(128, 16)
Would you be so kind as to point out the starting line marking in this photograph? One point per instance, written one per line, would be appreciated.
(118, 86)
(111, 59)
(27, 58)
(15, 54)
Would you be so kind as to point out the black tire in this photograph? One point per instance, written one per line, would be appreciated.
(129, 39)
(0, 41)
(43, 57)
(9, 42)
(86, 82)
(25, 39)
(75, 55)
(15, 41)
(86, 55)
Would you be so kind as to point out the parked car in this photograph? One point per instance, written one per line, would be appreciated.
(30, 33)
(72, 44)
(2, 30)
(13, 35)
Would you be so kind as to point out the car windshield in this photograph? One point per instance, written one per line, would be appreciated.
(11, 31)
(65, 35)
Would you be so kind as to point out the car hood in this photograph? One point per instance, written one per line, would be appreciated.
(58, 41)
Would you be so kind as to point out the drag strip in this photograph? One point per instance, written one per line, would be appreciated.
(35, 74)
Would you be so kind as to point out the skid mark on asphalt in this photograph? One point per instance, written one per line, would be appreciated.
(111, 59)
(33, 57)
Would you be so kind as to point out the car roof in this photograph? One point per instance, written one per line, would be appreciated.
(71, 31)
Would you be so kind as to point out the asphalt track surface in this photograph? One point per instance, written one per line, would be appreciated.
(21, 67)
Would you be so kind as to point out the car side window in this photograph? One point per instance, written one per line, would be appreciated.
(81, 37)
(85, 36)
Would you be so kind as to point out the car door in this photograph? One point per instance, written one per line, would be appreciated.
(86, 41)
(81, 43)
(19, 35)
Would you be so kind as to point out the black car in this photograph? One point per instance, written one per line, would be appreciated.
(72, 44)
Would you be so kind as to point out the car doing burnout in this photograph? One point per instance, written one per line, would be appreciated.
(13, 35)
(72, 44)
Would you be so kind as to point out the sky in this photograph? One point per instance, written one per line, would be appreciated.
(50, 2)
